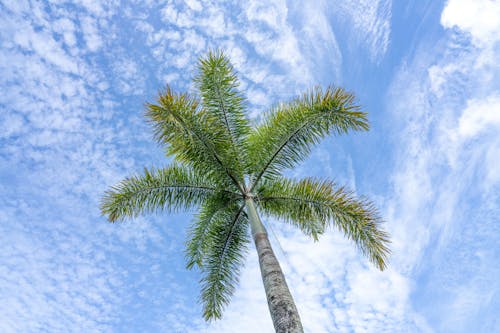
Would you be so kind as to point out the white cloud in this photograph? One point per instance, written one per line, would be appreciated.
(66, 27)
(16, 124)
(481, 18)
(45, 46)
(370, 22)
(479, 115)
(91, 34)
(194, 5)
(479, 125)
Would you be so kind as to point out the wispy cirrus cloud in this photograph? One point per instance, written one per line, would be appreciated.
(446, 192)
(369, 25)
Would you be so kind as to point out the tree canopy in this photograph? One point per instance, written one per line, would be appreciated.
(220, 158)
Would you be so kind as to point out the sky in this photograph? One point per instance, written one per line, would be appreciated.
(74, 79)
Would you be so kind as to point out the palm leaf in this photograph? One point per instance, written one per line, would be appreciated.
(311, 204)
(290, 130)
(175, 187)
(218, 83)
(227, 241)
(213, 209)
(192, 137)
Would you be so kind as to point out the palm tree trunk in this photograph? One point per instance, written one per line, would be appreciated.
(281, 305)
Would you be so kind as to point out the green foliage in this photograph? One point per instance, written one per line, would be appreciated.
(218, 83)
(291, 129)
(227, 240)
(193, 137)
(220, 161)
(312, 204)
(212, 210)
(175, 187)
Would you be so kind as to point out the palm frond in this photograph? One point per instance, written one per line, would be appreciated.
(175, 187)
(218, 85)
(311, 203)
(192, 137)
(290, 130)
(212, 210)
(227, 243)
(295, 203)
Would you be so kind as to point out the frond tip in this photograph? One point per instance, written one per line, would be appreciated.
(171, 188)
(227, 239)
(211, 212)
(190, 134)
(312, 204)
(291, 129)
(218, 85)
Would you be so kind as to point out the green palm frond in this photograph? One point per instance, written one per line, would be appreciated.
(310, 204)
(227, 241)
(290, 130)
(212, 210)
(302, 207)
(192, 137)
(175, 187)
(218, 86)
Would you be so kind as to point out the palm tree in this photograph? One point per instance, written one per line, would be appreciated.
(232, 171)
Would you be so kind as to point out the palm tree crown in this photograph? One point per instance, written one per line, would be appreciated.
(221, 163)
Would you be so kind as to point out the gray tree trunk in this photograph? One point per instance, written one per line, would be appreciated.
(279, 299)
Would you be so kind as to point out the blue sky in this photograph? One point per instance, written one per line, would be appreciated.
(74, 77)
